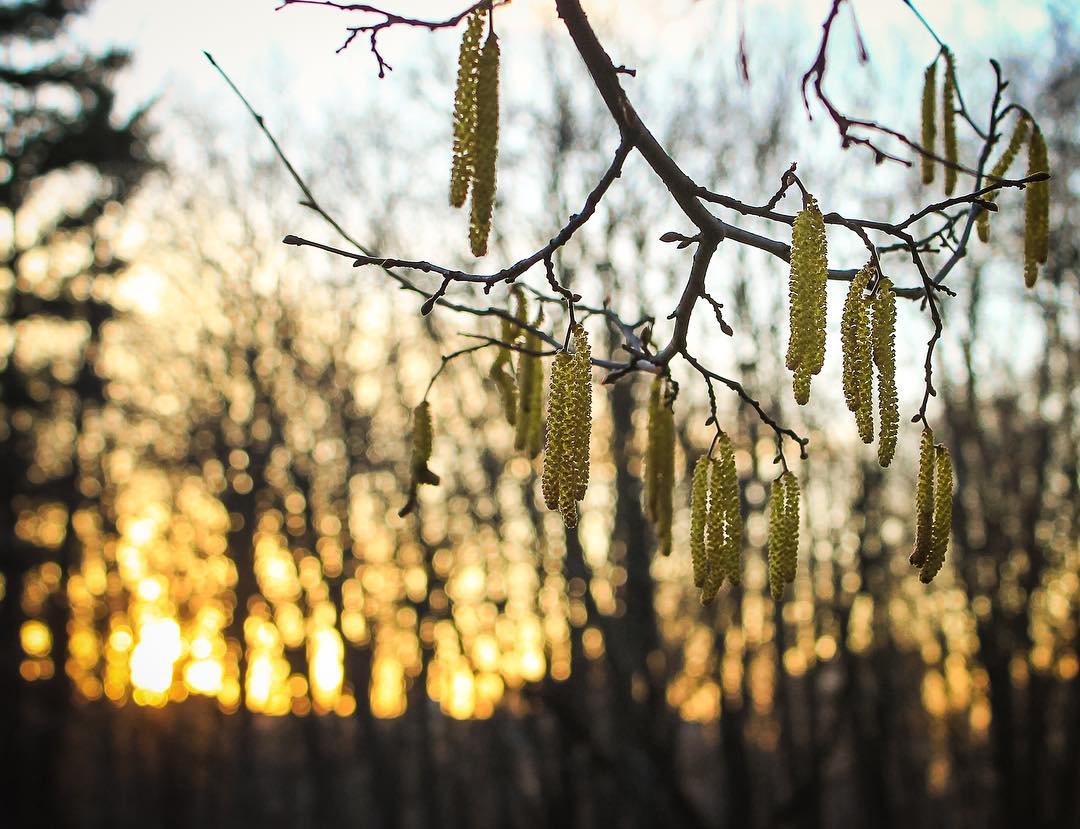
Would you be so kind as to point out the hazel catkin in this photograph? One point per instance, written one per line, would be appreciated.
(783, 538)
(461, 168)
(660, 464)
(883, 338)
(929, 120)
(728, 490)
(487, 145)
(809, 273)
(948, 114)
(942, 520)
(855, 344)
(422, 439)
(528, 425)
(566, 454)
(502, 367)
(1019, 136)
(699, 502)
(790, 557)
(924, 499)
(1036, 210)
(714, 537)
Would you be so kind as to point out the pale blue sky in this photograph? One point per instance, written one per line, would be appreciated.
(291, 51)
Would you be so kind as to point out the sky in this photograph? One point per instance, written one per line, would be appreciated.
(291, 51)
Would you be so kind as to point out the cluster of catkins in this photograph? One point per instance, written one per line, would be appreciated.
(521, 390)
(715, 520)
(868, 339)
(933, 507)
(929, 120)
(476, 129)
(569, 424)
(809, 274)
(1037, 195)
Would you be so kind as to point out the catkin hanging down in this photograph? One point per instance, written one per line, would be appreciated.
(649, 487)
(716, 521)
(502, 368)
(809, 273)
(1019, 136)
(948, 114)
(929, 123)
(487, 145)
(942, 520)
(883, 338)
(783, 539)
(699, 504)
(855, 343)
(461, 168)
(1036, 210)
(660, 464)
(924, 500)
(732, 515)
(422, 435)
(566, 453)
(530, 375)
(714, 537)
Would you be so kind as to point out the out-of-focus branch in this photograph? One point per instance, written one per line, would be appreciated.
(389, 19)
(509, 273)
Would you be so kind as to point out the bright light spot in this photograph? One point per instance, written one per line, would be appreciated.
(260, 681)
(532, 666)
(154, 656)
(204, 676)
(120, 639)
(387, 688)
(461, 698)
(149, 590)
(325, 667)
(36, 638)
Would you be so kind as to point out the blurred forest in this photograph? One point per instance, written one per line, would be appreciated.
(211, 614)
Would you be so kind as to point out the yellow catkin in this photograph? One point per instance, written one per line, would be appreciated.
(650, 450)
(809, 273)
(502, 367)
(883, 337)
(942, 524)
(566, 455)
(421, 435)
(699, 502)
(714, 536)
(948, 114)
(461, 169)
(732, 514)
(1019, 136)
(660, 464)
(582, 412)
(924, 500)
(855, 343)
(929, 122)
(555, 444)
(419, 473)
(1036, 210)
(776, 540)
(487, 145)
(530, 376)
(790, 557)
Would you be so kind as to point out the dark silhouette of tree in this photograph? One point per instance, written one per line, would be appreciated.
(60, 129)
